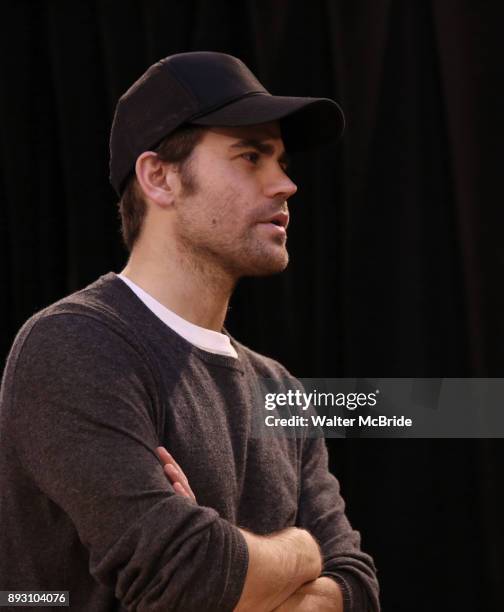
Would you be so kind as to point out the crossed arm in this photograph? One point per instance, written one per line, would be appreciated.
(284, 569)
(67, 404)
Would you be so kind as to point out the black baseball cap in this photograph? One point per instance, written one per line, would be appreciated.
(214, 89)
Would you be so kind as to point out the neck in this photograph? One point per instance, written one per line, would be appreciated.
(196, 290)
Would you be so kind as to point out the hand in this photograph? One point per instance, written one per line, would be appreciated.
(279, 565)
(320, 595)
(175, 474)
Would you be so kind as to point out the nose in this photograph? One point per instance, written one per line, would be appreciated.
(280, 185)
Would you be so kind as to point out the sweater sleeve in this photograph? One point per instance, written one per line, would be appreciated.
(85, 433)
(322, 513)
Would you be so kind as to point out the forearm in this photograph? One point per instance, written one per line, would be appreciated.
(278, 565)
(320, 595)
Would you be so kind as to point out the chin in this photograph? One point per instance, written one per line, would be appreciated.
(268, 266)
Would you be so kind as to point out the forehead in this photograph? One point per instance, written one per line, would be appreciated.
(260, 131)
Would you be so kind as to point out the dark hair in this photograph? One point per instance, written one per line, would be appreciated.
(176, 149)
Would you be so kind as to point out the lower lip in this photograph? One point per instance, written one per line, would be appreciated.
(277, 229)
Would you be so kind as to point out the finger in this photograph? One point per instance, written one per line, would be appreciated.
(172, 472)
(163, 454)
(166, 457)
(168, 467)
(170, 459)
(174, 476)
(179, 490)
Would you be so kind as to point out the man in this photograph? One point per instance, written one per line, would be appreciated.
(129, 473)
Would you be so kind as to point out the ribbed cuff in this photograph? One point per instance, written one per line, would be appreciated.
(346, 590)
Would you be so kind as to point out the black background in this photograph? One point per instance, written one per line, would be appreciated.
(395, 237)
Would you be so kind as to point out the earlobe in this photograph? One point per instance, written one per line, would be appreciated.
(155, 179)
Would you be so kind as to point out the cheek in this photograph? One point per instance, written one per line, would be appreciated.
(230, 210)
(223, 204)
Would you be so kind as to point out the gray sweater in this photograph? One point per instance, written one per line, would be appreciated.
(93, 384)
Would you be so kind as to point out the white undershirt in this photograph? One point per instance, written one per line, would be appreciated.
(206, 339)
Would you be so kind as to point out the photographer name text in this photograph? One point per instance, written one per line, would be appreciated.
(338, 421)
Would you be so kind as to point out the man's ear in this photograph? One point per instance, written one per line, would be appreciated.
(158, 180)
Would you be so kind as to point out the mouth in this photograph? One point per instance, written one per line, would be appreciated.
(280, 220)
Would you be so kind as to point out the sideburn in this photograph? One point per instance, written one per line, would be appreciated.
(188, 178)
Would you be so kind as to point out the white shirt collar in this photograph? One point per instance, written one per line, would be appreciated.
(206, 339)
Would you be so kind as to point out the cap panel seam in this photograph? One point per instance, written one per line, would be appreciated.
(183, 85)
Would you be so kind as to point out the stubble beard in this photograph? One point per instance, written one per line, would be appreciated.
(264, 257)
(248, 255)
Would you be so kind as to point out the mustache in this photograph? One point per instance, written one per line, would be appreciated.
(282, 207)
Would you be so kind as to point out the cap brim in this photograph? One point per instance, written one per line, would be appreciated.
(305, 122)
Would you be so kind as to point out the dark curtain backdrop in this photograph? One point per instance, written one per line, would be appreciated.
(396, 251)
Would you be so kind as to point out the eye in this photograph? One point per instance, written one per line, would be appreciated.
(252, 157)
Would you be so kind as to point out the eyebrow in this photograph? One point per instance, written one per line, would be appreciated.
(262, 147)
